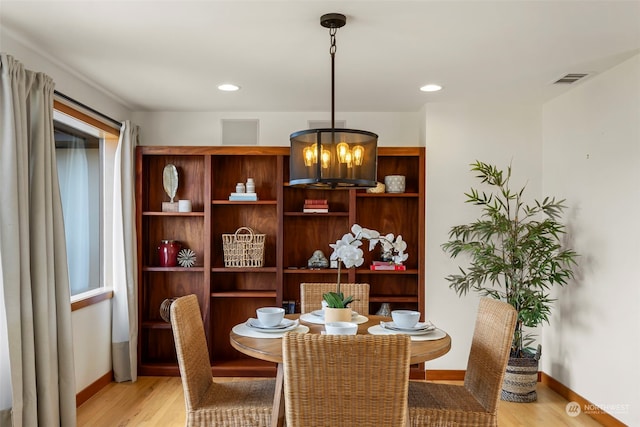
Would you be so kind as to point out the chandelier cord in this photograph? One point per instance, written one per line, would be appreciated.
(332, 52)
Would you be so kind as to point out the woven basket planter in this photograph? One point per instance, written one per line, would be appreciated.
(520, 380)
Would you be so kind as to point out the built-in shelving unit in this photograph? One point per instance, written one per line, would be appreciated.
(229, 296)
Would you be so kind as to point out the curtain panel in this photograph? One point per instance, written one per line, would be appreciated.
(124, 340)
(34, 283)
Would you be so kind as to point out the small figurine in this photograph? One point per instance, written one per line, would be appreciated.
(318, 260)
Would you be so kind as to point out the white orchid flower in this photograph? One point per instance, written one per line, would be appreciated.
(351, 256)
(400, 245)
(356, 229)
(369, 234)
(347, 249)
(400, 258)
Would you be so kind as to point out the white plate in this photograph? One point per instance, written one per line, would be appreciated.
(244, 330)
(407, 331)
(433, 334)
(420, 326)
(285, 325)
(320, 314)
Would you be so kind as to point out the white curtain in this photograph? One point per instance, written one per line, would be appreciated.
(76, 202)
(124, 340)
(34, 281)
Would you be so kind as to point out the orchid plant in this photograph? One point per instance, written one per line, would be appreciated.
(347, 251)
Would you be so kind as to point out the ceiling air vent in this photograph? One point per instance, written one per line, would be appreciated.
(570, 78)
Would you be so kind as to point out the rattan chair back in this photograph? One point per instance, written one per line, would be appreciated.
(346, 380)
(473, 404)
(311, 295)
(208, 403)
(191, 349)
(489, 354)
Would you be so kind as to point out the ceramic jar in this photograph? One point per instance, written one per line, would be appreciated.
(394, 183)
(251, 186)
(168, 253)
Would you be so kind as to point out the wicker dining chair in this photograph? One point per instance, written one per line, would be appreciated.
(209, 403)
(476, 402)
(311, 295)
(346, 380)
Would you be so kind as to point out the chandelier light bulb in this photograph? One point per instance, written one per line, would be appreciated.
(343, 150)
(358, 155)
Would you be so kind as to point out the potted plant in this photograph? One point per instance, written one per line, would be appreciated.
(347, 250)
(515, 255)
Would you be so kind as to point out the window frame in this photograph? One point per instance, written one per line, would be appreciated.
(110, 134)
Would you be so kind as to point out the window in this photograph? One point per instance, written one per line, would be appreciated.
(82, 155)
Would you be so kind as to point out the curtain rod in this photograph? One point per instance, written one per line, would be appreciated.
(86, 107)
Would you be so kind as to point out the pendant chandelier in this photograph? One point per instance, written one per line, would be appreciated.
(330, 157)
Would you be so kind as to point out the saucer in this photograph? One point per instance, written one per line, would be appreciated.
(285, 325)
(418, 327)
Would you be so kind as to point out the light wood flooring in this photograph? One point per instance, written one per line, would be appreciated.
(159, 401)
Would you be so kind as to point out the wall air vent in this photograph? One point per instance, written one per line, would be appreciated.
(240, 131)
(570, 78)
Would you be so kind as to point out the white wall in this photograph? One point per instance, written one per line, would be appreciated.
(66, 81)
(591, 157)
(456, 136)
(91, 343)
(204, 128)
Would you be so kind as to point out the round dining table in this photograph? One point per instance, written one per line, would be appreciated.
(270, 349)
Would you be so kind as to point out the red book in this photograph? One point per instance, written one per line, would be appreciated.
(315, 206)
(387, 267)
(315, 201)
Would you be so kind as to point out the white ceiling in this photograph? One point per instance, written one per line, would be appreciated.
(171, 55)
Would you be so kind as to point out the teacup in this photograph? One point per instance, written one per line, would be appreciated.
(341, 328)
(405, 318)
(270, 316)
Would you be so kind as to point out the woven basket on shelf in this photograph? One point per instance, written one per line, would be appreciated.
(165, 309)
(244, 248)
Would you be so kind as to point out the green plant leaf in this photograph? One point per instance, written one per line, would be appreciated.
(514, 251)
(337, 300)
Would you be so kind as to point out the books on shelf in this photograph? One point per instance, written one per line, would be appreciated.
(386, 266)
(289, 307)
(315, 202)
(315, 206)
(243, 197)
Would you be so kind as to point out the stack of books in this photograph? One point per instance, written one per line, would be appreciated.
(243, 197)
(289, 307)
(315, 206)
(383, 265)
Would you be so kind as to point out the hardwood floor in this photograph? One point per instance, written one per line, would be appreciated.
(158, 401)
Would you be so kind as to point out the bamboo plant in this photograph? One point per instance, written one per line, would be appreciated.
(515, 251)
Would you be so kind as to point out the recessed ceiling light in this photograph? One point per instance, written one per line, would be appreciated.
(431, 88)
(228, 87)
